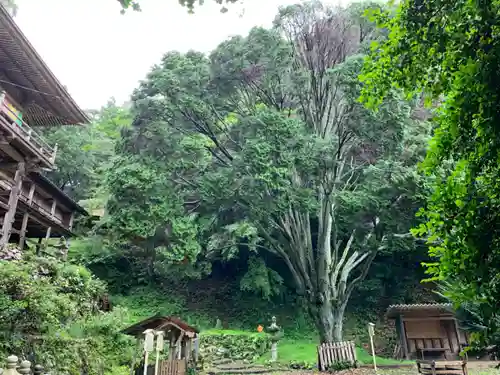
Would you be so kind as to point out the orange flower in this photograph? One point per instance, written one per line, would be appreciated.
(260, 328)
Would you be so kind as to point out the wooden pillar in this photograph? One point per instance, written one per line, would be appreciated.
(455, 326)
(171, 347)
(53, 208)
(24, 225)
(54, 153)
(189, 349)
(404, 340)
(196, 348)
(71, 219)
(31, 194)
(47, 234)
(39, 246)
(9, 217)
(22, 233)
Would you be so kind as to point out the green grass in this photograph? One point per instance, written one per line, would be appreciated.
(306, 351)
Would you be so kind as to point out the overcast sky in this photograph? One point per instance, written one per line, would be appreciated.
(97, 53)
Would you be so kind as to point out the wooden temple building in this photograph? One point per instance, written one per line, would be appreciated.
(427, 331)
(182, 344)
(31, 97)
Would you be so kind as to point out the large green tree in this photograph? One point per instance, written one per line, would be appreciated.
(266, 147)
(189, 4)
(450, 51)
(84, 151)
(11, 6)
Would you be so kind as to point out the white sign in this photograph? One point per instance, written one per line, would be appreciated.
(149, 340)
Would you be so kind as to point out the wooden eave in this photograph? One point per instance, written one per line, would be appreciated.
(45, 100)
(159, 322)
(420, 310)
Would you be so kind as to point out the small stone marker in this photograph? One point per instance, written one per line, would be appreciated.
(38, 370)
(11, 365)
(25, 368)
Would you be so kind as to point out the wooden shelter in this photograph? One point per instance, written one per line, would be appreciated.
(182, 343)
(30, 96)
(427, 331)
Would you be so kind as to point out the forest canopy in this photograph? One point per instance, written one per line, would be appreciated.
(263, 147)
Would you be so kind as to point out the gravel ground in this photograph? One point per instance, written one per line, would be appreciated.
(398, 371)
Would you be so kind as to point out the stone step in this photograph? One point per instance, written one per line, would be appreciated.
(243, 371)
(222, 361)
(239, 366)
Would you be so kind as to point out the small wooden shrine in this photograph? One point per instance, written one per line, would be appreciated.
(427, 331)
(182, 345)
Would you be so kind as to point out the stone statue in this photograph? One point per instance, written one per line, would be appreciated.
(275, 334)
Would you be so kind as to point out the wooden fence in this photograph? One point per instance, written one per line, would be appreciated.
(330, 353)
(173, 367)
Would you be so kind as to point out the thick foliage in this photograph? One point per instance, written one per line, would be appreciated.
(215, 345)
(451, 51)
(264, 147)
(189, 4)
(48, 314)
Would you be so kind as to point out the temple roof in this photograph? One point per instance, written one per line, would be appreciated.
(159, 322)
(26, 77)
(420, 309)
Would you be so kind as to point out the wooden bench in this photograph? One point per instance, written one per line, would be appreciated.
(442, 367)
(440, 351)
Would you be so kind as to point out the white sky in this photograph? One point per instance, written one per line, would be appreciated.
(97, 53)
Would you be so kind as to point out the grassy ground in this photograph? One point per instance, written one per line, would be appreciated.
(306, 351)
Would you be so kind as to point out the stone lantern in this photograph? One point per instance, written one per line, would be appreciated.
(275, 335)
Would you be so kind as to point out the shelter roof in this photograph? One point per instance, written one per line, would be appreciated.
(157, 322)
(420, 310)
(45, 101)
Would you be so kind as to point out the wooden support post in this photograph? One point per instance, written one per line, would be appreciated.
(47, 234)
(404, 340)
(71, 219)
(8, 219)
(196, 348)
(39, 246)
(22, 234)
(459, 347)
(53, 208)
(53, 158)
(31, 194)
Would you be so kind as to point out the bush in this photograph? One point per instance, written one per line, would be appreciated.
(236, 345)
(49, 315)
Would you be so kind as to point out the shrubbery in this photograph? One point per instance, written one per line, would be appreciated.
(49, 315)
(232, 344)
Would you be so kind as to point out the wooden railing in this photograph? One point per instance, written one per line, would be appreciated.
(29, 135)
(331, 353)
(32, 203)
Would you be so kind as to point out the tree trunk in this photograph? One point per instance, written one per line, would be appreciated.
(338, 321)
(325, 321)
(329, 321)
